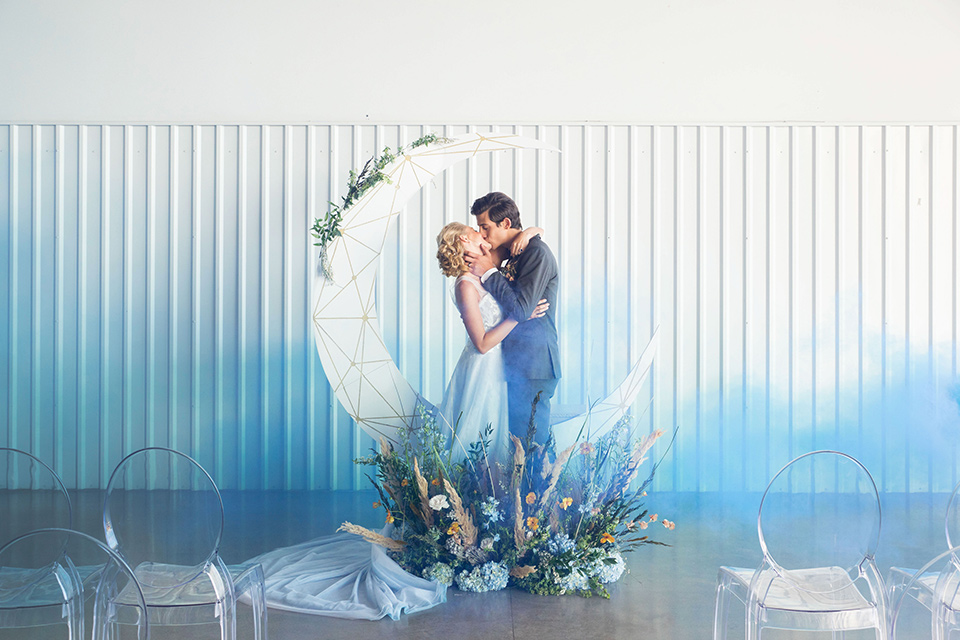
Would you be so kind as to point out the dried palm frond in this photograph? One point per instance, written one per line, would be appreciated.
(522, 572)
(424, 492)
(468, 531)
(620, 483)
(518, 460)
(519, 534)
(372, 536)
(556, 470)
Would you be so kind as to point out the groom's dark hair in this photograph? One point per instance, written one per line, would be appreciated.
(498, 206)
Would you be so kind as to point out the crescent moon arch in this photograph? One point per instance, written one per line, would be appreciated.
(355, 358)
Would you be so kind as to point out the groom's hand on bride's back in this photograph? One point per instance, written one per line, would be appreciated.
(479, 263)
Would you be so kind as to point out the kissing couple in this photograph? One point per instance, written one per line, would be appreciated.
(506, 292)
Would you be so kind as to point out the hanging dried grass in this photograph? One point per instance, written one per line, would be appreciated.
(372, 536)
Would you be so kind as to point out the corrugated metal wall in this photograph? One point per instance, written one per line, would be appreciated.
(154, 291)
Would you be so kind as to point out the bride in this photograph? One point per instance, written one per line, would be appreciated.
(476, 395)
(343, 575)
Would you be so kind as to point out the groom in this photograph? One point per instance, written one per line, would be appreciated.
(530, 352)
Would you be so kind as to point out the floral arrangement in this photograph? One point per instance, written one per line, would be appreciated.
(545, 522)
(327, 228)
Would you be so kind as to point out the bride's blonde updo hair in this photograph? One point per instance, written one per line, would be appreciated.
(450, 249)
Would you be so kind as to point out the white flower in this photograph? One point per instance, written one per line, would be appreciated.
(438, 503)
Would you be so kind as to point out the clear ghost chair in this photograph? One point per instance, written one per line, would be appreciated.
(164, 515)
(935, 586)
(819, 525)
(32, 496)
(936, 590)
(35, 582)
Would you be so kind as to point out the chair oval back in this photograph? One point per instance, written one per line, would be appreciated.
(822, 509)
(952, 520)
(32, 496)
(106, 572)
(905, 623)
(163, 510)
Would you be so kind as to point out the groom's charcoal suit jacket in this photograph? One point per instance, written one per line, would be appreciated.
(530, 350)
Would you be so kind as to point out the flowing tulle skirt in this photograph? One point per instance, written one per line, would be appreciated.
(344, 576)
(477, 396)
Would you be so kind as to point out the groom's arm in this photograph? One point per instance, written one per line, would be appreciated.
(519, 298)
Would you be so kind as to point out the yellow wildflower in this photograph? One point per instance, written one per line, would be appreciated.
(606, 538)
(566, 502)
(533, 523)
(531, 497)
(389, 518)
(454, 528)
(404, 482)
(435, 482)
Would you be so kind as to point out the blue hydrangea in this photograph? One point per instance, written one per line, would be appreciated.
(606, 571)
(495, 576)
(439, 571)
(491, 576)
(611, 572)
(573, 581)
(560, 543)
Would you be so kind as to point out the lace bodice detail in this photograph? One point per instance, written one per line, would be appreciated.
(490, 311)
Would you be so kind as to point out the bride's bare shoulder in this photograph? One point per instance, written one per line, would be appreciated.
(467, 286)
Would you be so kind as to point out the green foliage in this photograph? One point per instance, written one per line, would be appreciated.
(327, 228)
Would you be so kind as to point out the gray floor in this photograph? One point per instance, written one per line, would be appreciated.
(669, 592)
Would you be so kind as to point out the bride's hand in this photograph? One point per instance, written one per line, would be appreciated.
(540, 310)
(521, 241)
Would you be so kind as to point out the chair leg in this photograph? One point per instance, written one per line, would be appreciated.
(228, 621)
(753, 624)
(258, 602)
(721, 613)
(74, 612)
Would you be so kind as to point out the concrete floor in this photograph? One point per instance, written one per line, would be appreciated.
(669, 592)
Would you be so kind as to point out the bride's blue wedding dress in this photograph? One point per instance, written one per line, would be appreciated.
(345, 576)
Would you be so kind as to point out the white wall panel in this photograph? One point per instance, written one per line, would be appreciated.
(154, 290)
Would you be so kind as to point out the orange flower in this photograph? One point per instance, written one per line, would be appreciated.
(533, 523)
(643, 524)
(404, 482)
(653, 518)
(389, 518)
(376, 505)
(435, 482)
(454, 528)
(606, 539)
(566, 502)
(531, 497)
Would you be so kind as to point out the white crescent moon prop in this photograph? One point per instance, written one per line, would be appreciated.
(361, 370)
